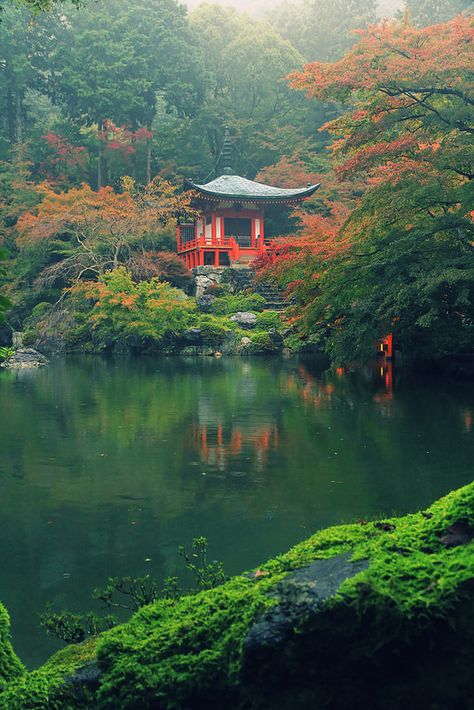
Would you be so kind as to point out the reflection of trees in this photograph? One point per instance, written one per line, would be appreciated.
(391, 445)
(118, 428)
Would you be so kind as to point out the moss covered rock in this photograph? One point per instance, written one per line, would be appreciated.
(369, 615)
(10, 665)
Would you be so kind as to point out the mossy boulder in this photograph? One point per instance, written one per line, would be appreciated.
(369, 615)
(10, 665)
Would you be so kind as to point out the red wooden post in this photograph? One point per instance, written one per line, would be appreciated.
(389, 341)
(214, 229)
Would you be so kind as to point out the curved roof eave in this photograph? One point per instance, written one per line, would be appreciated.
(267, 194)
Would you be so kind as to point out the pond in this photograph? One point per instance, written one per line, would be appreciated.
(107, 467)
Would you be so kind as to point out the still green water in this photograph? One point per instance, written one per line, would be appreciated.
(107, 467)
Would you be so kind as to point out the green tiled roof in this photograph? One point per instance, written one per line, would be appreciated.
(239, 188)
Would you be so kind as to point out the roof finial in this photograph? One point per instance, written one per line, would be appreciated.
(227, 153)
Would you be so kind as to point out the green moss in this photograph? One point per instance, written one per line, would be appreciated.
(48, 687)
(405, 623)
(213, 330)
(10, 665)
(193, 648)
(268, 319)
(262, 343)
(233, 303)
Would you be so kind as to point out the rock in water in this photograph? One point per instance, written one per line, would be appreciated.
(25, 358)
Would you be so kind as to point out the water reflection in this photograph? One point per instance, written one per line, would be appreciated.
(107, 467)
(221, 441)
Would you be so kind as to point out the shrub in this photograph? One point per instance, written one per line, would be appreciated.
(262, 343)
(144, 310)
(6, 353)
(216, 290)
(39, 311)
(213, 331)
(33, 323)
(232, 303)
(268, 319)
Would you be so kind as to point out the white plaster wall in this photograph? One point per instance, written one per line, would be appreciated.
(257, 228)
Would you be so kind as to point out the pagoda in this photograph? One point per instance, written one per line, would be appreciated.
(230, 227)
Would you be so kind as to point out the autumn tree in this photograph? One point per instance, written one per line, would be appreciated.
(87, 233)
(120, 308)
(18, 192)
(408, 134)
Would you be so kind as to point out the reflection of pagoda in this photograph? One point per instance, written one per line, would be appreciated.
(219, 443)
(229, 229)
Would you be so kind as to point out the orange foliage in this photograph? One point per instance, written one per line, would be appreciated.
(104, 215)
(318, 240)
(409, 90)
(290, 171)
(394, 55)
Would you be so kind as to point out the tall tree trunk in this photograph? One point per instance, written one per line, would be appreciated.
(11, 116)
(148, 153)
(100, 155)
(18, 118)
(149, 116)
(10, 104)
(10, 101)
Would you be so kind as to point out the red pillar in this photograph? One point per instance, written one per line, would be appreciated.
(214, 228)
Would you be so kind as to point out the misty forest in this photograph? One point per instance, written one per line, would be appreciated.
(236, 308)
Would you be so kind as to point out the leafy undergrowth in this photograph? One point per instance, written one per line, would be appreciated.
(398, 632)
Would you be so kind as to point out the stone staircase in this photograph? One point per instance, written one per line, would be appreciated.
(243, 262)
(275, 298)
